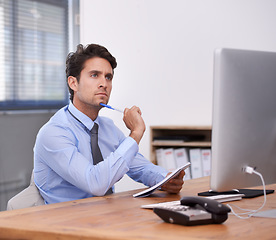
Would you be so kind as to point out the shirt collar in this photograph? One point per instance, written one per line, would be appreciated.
(85, 120)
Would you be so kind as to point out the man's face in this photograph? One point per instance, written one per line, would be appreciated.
(95, 84)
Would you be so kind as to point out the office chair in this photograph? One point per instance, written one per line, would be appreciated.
(29, 197)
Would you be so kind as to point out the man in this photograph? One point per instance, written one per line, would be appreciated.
(64, 167)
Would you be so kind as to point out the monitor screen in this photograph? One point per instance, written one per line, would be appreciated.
(244, 118)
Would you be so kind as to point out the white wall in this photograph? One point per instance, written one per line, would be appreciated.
(165, 49)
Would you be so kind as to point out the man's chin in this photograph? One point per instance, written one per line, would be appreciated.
(102, 102)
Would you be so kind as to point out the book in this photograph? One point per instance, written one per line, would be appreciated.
(181, 158)
(150, 190)
(206, 162)
(196, 164)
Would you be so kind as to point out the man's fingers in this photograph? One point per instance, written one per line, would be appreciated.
(171, 188)
(175, 184)
(180, 175)
(137, 109)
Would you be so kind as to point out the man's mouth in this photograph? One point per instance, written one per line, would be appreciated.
(102, 94)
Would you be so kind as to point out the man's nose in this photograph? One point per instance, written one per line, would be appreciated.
(103, 82)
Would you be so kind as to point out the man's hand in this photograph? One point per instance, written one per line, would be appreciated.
(135, 123)
(175, 184)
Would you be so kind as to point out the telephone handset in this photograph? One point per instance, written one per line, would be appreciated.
(194, 211)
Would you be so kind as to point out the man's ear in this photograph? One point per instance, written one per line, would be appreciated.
(72, 83)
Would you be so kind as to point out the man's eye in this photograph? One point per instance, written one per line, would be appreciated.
(94, 75)
(108, 77)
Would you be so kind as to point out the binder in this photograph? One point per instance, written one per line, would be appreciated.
(182, 158)
(169, 159)
(206, 161)
(196, 164)
(160, 158)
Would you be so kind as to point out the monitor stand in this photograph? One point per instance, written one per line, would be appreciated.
(248, 193)
(271, 213)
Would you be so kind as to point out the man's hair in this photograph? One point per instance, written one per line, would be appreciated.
(75, 61)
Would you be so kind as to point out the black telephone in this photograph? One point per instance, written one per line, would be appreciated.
(194, 211)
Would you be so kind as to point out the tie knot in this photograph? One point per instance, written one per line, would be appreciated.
(94, 130)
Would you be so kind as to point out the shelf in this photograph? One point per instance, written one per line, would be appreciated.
(183, 144)
(179, 136)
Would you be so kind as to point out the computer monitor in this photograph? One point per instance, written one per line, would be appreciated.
(244, 118)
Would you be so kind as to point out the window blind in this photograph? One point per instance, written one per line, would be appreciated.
(33, 48)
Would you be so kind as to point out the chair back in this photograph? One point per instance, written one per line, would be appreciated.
(29, 197)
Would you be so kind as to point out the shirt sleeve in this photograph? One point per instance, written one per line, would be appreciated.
(57, 148)
(141, 169)
(144, 171)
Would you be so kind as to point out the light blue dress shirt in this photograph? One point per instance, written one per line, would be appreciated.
(63, 164)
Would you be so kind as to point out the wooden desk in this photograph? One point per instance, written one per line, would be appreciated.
(119, 216)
